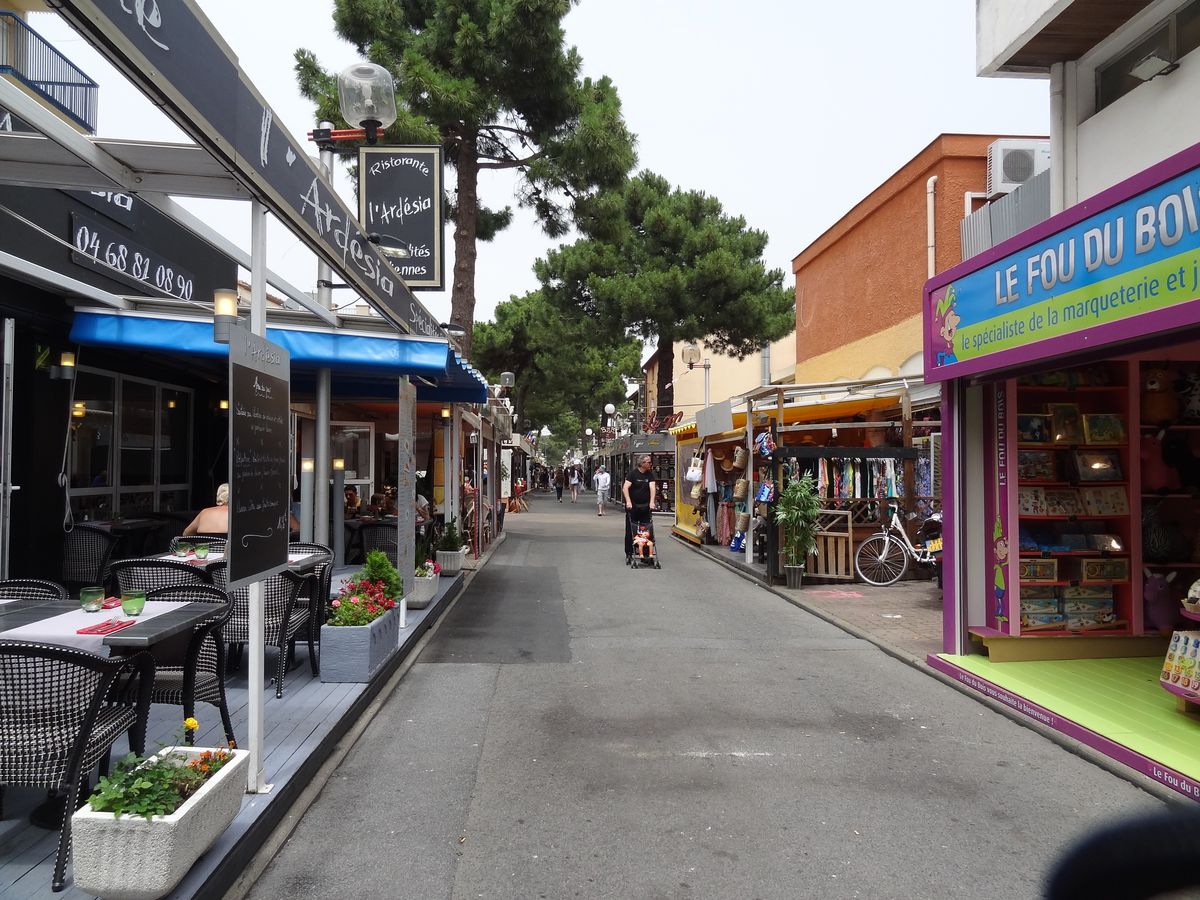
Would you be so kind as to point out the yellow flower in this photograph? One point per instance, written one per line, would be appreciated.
(190, 724)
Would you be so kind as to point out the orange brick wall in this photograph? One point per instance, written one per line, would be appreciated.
(865, 273)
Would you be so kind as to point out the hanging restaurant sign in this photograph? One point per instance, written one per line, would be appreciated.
(173, 53)
(400, 199)
(1123, 264)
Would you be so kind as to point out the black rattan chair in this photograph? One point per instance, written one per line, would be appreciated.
(86, 552)
(216, 542)
(284, 617)
(318, 591)
(201, 677)
(32, 589)
(59, 717)
(380, 536)
(151, 573)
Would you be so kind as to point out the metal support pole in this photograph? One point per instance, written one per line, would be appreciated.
(255, 781)
(321, 475)
(325, 298)
(707, 367)
(339, 517)
(749, 548)
(306, 504)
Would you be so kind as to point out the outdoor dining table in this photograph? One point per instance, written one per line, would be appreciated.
(162, 628)
(300, 563)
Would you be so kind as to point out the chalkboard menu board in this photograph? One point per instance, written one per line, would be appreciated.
(400, 199)
(259, 441)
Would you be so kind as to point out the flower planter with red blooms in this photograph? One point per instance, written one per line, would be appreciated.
(363, 630)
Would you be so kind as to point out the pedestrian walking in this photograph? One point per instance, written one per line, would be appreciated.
(560, 481)
(638, 491)
(574, 483)
(603, 480)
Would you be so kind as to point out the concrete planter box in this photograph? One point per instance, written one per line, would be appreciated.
(134, 858)
(451, 561)
(354, 653)
(423, 592)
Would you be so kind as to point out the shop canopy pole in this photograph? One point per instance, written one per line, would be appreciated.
(750, 480)
(258, 326)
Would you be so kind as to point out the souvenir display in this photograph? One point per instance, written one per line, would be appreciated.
(1098, 465)
(1032, 428)
(1037, 465)
(1104, 569)
(1066, 425)
(1031, 501)
(1104, 429)
(1107, 542)
(1104, 501)
(1063, 502)
(765, 443)
(1039, 570)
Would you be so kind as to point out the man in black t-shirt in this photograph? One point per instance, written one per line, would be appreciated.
(638, 490)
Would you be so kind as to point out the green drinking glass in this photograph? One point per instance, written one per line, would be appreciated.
(133, 602)
(91, 599)
(201, 551)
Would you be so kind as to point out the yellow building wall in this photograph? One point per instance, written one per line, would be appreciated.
(729, 376)
(893, 351)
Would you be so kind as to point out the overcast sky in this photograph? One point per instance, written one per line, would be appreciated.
(788, 112)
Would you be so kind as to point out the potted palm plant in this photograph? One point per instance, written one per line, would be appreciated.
(797, 510)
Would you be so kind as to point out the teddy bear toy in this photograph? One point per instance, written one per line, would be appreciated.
(1160, 402)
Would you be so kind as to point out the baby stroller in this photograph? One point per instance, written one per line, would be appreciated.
(645, 555)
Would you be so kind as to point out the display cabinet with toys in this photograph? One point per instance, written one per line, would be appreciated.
(1104, 496)
(1070, 444)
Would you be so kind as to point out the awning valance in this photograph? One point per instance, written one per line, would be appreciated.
(363, 365)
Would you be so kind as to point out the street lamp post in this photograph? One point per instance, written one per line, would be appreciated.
(691, 356)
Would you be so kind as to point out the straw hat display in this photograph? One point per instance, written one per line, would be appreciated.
(739, 457)
(726, 464)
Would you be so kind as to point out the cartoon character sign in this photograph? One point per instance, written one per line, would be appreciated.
(1000, 559)
(947, 325)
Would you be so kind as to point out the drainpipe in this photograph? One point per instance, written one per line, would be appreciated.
(930, 234)
(1057, 138)
(766, 364)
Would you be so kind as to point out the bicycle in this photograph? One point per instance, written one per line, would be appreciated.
(883, 558)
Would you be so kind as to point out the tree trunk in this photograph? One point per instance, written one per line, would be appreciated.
(462, 295)
(666, 377)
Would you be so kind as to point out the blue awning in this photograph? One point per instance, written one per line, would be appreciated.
(366, 364)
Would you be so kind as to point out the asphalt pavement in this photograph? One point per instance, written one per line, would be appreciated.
(579, 729)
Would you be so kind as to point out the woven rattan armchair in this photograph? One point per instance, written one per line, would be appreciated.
(32, 589)
(216, 542)
(86, 552)
(317, 593)
(380, 536)
(201, 676)
(60, 716)
(151, 573)
(284, 617)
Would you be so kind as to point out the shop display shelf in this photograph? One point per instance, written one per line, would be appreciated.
(1080, 389)
(1179, 692)
(1065, 446)
(1146, 427)
(1170, 497)
(1073, 518)
(1171, 565)
(1050, 554)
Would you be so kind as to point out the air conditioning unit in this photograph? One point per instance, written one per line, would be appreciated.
(1012, 162)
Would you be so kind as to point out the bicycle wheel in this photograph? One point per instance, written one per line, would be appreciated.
(881, 560)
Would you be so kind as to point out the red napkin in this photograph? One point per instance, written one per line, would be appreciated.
(111, 603)
(107, 627)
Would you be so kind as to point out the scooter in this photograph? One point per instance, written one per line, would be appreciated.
(930, 536)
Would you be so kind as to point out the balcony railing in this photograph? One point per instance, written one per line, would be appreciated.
(26, 56)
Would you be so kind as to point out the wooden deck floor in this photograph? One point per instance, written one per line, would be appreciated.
(301, 730)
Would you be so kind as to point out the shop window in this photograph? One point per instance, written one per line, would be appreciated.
(1170, 42)
(174, 436)
(354, 442)
(92, 416)
(151, 468)
(137, 432)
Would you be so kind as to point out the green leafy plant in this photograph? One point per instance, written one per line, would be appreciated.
(797, 509)
(451, 540)
(157, 786)
(379, 568)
